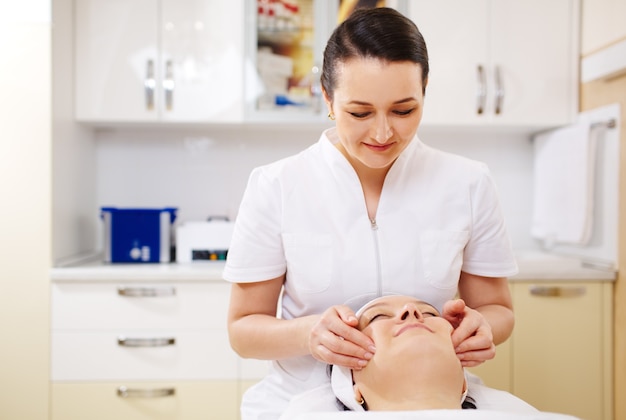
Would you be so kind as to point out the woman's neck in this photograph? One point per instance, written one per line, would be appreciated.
(427, 383)
(423, 400)
(372, 181)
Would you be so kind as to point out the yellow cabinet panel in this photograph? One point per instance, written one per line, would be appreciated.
(561, 347)
(496, 373)
(191, 400)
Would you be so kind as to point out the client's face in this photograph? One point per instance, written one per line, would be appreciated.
(413, 349)
(399, 324)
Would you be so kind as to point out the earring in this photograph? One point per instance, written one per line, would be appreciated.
(361, 401)
(331, 116)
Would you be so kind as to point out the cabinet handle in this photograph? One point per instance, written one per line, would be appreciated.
(124, 392)
(168, 85)
(557, 291)
(481, 92)
(149, 85)
(499, 91)
(146, 291)
(146, 342)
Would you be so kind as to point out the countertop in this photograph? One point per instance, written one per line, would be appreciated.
(533, 266)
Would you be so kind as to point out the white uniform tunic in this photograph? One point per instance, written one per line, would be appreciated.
(305, 215)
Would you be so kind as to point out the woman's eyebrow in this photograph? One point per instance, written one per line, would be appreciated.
(400, 101)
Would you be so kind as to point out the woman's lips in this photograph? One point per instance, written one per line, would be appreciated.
(411, 326)
(380, 147)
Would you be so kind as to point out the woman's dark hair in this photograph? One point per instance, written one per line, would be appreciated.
(468, 403)
(381, 33)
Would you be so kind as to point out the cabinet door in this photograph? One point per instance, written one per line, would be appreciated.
(497, 373)
(561, 353)
(202, 60)
(499, 62)
(214, 400)
(116, 60)
(456, 33)
(533, 49)
(285, 52)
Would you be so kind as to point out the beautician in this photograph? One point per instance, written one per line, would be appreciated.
(368, 210)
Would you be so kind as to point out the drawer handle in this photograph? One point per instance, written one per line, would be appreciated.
(557, 291)
(146, 342)
(146, 291)
(124, 392)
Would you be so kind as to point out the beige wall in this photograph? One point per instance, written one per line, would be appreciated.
(25, 194)
(603, 27)
(593, 95)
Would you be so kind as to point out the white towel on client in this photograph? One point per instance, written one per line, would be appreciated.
(563, 185)
(321, 404)
(434, 415)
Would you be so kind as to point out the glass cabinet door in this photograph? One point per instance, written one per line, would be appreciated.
(286, 49)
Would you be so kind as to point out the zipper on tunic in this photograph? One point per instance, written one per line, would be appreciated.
(377, 252)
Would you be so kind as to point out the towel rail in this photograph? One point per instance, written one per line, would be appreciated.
(607, 124)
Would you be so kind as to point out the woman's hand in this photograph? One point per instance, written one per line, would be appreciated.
(472, 336)
(334, 339)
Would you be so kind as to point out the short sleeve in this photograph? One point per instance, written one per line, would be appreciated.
(489, 251)
(256, 250)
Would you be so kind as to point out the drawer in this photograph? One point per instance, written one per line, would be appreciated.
(215, 400)
(99, 356)
(109, 306)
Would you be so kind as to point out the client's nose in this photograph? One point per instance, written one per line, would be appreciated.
(410, 310)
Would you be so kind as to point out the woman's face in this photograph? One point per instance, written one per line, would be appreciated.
(410, 338)
(378, 108)
(402, 318)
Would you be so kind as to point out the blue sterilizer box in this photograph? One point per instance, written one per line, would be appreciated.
(138, 235)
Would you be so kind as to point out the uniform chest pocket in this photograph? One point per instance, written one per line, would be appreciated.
(442, 256)
(309, 260)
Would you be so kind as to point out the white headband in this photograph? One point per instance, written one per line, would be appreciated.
(341, 378)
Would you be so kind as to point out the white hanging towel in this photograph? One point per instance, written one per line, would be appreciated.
(563, 182)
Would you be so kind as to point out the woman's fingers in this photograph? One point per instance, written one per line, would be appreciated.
(472, 337)
(333, 339)
(477, 357)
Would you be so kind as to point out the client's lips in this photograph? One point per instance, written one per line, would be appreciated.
(411, 326)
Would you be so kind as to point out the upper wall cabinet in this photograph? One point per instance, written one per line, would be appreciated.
(505, 63)
(164, 60)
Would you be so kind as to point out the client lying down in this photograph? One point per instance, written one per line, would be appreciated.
(415, 367)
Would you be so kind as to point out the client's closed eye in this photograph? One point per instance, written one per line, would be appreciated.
(378, 316)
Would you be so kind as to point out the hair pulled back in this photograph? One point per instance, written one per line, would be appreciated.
(380, 33)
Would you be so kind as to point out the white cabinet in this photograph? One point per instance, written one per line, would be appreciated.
(145, 401)
(286, 43)
(503, 63)
(165, 343)
(165, 60)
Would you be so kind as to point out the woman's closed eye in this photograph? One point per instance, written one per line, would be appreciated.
(401, 113)
(375, 317)
(360, 115)
(378, 316)
(404, 112)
